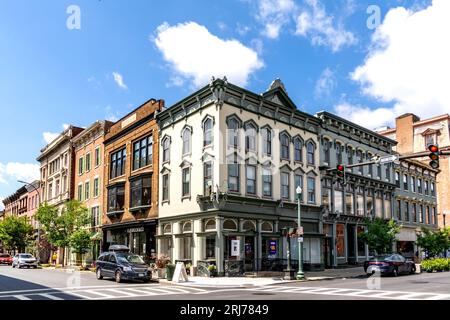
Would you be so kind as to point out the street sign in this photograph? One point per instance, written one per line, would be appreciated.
(300, 231)
(388, 159)
(300, 239)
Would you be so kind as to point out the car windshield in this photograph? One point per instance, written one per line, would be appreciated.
(129, 257)
(25, 256)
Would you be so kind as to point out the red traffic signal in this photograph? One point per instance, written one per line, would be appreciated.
(340, 170)
(434, 156)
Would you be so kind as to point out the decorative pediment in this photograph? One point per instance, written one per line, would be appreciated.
(430, 131)
(165, 170)
(207, 157)
(278, 95)
(252, 160)
(285, 168)
(185, 164)
(312, 173)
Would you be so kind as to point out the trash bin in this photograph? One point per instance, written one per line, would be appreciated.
(170, 269)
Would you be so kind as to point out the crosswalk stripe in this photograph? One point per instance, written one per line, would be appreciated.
(142, 292)
(180, 290)
(79, 295)
(50, 296)
(98, 293)
(160, 290)
(123, 292)
(21, 297)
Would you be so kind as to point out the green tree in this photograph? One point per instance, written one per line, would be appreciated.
(80, 241)
(434, 242)
(15, 233)
(59, 227)
(380, 234)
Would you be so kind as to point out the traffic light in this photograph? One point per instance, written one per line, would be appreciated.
(434, 156)
(340, 169)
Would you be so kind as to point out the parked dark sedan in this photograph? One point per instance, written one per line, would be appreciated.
(392, 264)
(122, 266)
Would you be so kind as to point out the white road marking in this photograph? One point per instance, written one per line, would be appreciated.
(79, 295)
(123, 292)
(49, 296)
(98, 293)
(22, 297)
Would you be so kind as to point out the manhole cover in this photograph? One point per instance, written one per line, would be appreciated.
(263, 294)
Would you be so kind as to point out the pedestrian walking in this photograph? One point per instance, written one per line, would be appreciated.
(54, 258)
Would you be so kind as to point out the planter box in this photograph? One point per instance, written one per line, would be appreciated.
(161, 273)
(418, 268)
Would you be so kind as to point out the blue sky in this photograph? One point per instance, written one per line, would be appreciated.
(126, 52)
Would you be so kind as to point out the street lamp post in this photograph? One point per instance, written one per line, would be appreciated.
(300, 274)
(38, 224)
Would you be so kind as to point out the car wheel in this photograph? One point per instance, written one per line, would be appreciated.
(395, 272)
(413, 270)
(13, 265)
(99, 274)
(118, 277)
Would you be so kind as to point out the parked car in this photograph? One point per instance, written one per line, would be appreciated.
(5, 259)
(122, 265)
(24, 260)
(392, 264)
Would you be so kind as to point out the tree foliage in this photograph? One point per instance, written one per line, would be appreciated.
(434, 242)
(60, 226)
(15, 232)
(80, 241)
(380, 234)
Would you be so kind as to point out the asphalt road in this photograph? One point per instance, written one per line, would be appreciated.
(45, 284)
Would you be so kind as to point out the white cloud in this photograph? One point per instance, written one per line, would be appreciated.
(111, 115)
(322, 29)
(409, 63)
(242, 29)
(118, 78)
(50, 136)
(195, 54)
(364, 116)
(325, 84)
(274, 14)
(13, 171)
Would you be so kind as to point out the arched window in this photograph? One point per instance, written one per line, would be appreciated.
(284, 142)
(339, 152)
(187, 227)
(210, 225)
(310, 149)
(266, 227)
(166, 149)
(233, 132)
(207, 132)
(298, 150)
(250, 137)
(248, 226)
(229, 225)
(186, 135)
(167, 229)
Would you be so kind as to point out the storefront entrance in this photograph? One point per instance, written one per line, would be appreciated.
(249, 253)
(327, 257)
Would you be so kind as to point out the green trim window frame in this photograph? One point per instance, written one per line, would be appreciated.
(96, 187)
(118, 163)
(165, 187)
(80, 192)
(88, 162)
(116, 198)
(140, 191)
(80, 165)
(142, 152)
(87, 190)
(97, 156)
(186, 182)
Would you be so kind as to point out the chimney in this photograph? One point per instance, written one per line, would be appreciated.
(405, 132)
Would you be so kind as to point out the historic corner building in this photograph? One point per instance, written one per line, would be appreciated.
(415, 203)
(369, 191)
(130, 181)
(89, 169)
(230, 161)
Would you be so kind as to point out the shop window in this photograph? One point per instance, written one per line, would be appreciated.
(210, 225)
(210, 247)
(266, 227)
(361, 244)
(248, 226)
(187, 227)
(229, 225)
(340, 240)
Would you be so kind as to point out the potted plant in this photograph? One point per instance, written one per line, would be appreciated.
(160, 263)
(189, 270)
(170, 269)
(212, 269)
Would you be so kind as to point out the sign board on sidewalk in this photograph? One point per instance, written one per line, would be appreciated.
(180, 272)
(235, 245)
(300, 239)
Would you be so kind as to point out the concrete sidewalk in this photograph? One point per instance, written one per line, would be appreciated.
(329, 274)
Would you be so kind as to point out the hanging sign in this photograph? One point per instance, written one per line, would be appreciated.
(235, 245)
